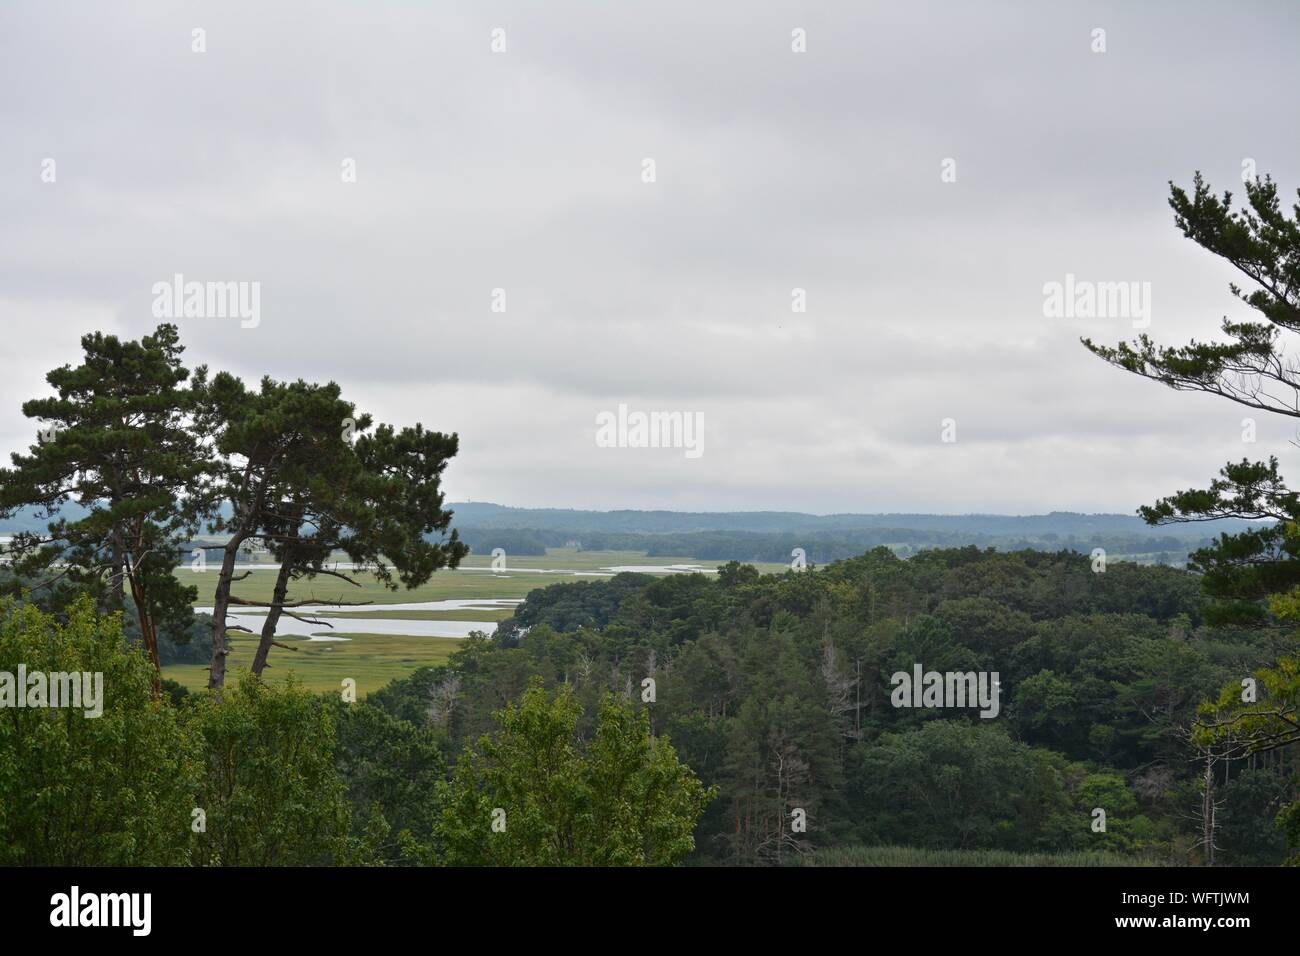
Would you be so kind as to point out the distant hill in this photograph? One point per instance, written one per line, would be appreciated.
(25, 519)
(772, 536)
(1063, 524)
(1060, 523)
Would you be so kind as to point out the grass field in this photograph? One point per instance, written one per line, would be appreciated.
(911, 856)
(575, 560)
(469, 582)
(374, 660)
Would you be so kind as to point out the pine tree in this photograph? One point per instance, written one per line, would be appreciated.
(116, 444)
(1250, 369)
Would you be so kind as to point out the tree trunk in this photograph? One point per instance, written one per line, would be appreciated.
(117, 557)
(1207, 812)
(220, 605)
(148, 633)
(273, 613)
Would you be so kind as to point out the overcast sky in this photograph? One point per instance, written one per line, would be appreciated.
(522, 170)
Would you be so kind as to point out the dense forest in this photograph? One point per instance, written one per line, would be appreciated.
(766, 697)
(822, 547)
(775, 690)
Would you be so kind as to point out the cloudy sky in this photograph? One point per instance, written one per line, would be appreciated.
(523, 170)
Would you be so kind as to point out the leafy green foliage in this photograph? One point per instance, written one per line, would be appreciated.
(533, 795)
(270, 789)
(948, 784)
(1251, 832)
(392, 769)
(775, 690)
(113, 790)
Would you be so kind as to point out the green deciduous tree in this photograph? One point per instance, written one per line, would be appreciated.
(1251, 722)
(958, 784)
(392, 769)
(113, 790)
(533, 795)
(270, 792)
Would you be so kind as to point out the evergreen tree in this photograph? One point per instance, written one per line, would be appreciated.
(1251, 369)
(118, 446)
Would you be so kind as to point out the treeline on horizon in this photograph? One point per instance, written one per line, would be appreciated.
(484, 528)
(1062, 523)
(771, 537)
(820, 547)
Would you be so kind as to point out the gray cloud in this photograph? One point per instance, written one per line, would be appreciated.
(775, 170)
